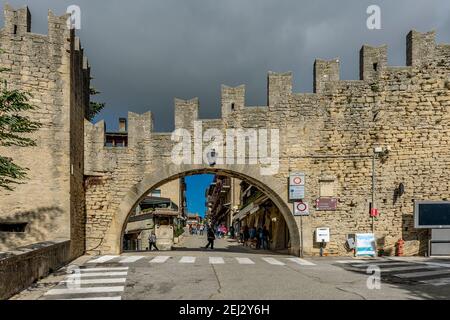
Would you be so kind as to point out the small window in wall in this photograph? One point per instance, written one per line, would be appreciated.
(13, 227)
(15, 29)
(232, 106)
(375, 67)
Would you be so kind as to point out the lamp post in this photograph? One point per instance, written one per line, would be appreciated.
(376, 152)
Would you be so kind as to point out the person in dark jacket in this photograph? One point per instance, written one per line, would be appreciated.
(152, 241)
(211, 237)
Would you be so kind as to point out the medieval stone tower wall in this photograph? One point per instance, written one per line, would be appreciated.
(329, 134)
(53, 69)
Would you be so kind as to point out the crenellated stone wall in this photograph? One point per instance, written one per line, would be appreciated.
(329, 134)
(53, 69)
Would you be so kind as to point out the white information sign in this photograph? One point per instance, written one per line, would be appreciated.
(365, 244)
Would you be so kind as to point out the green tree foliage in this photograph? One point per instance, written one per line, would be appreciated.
(94, 107)
(13, 129)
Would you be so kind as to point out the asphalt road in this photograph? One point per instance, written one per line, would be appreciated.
(237, 273)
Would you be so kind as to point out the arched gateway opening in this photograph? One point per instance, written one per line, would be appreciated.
(272, 187)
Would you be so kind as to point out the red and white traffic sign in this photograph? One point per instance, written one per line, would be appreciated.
(301, 209)
(297, 179)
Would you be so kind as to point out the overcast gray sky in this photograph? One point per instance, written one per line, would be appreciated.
(144, 53)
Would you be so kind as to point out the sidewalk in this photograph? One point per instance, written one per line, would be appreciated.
(197, 243)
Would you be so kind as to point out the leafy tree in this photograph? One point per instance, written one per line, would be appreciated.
(13, 126)
(94, 107)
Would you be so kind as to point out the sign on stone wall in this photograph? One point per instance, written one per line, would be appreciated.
(301, 209)
(326, 204)
(297, 186)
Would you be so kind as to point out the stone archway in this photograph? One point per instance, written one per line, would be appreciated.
(272, 187)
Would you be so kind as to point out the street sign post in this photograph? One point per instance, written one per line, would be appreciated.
(297, 186)
(301, 209)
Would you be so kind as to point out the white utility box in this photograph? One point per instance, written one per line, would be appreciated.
(323, 235)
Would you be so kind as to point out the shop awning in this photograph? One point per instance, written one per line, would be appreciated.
(251, 208)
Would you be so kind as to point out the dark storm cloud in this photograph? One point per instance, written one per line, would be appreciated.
(145, 53)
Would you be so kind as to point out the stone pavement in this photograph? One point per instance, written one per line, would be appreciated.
(234, 272)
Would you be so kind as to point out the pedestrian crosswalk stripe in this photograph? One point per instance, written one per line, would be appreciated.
(301, 262)
(131, 259)
(380, 264)
(437, 282)
(97, 274)
(423, 274)
(104, 269)
(94, 298)
(84, 290)
(244, 261)
(187, 260)
(216, 260)
(408, 268)
(95, 281)
(159, 259)
(353, 261)
(103, 259)
(273, 261)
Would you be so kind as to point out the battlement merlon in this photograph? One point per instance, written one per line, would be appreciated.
(420, 47)
(232, 99)
(186, 112)
(140, 127)
(325, 71)
(279, 85)
(17, 22)
(373, 60)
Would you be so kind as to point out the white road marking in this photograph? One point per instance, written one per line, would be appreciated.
(380, 264)
(94, 298)
(244, 261)
(416, 267)
(103, 259)
(95, 281)
(104, 269)
(353, 261)
(159, 259)
(273, 261)
(97, 274)
(54, 292)
(216, 260)
(301, 262)
(423, 274)
(437, 282)
(187, 260)
(131, 259)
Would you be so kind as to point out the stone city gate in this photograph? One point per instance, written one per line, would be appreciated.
(80, 190)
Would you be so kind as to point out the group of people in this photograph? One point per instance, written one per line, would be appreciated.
(221, 231)
(196, 230)
(260, 236)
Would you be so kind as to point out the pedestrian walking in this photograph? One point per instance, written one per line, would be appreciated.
(259, 238)
(152, 241)
(265, 238)
(246, 235)
(211, 237)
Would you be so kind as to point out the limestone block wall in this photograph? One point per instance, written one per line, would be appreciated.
(329, 134)
(52, 68)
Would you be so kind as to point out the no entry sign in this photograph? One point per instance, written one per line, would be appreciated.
(301, 209)
(297, 179)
